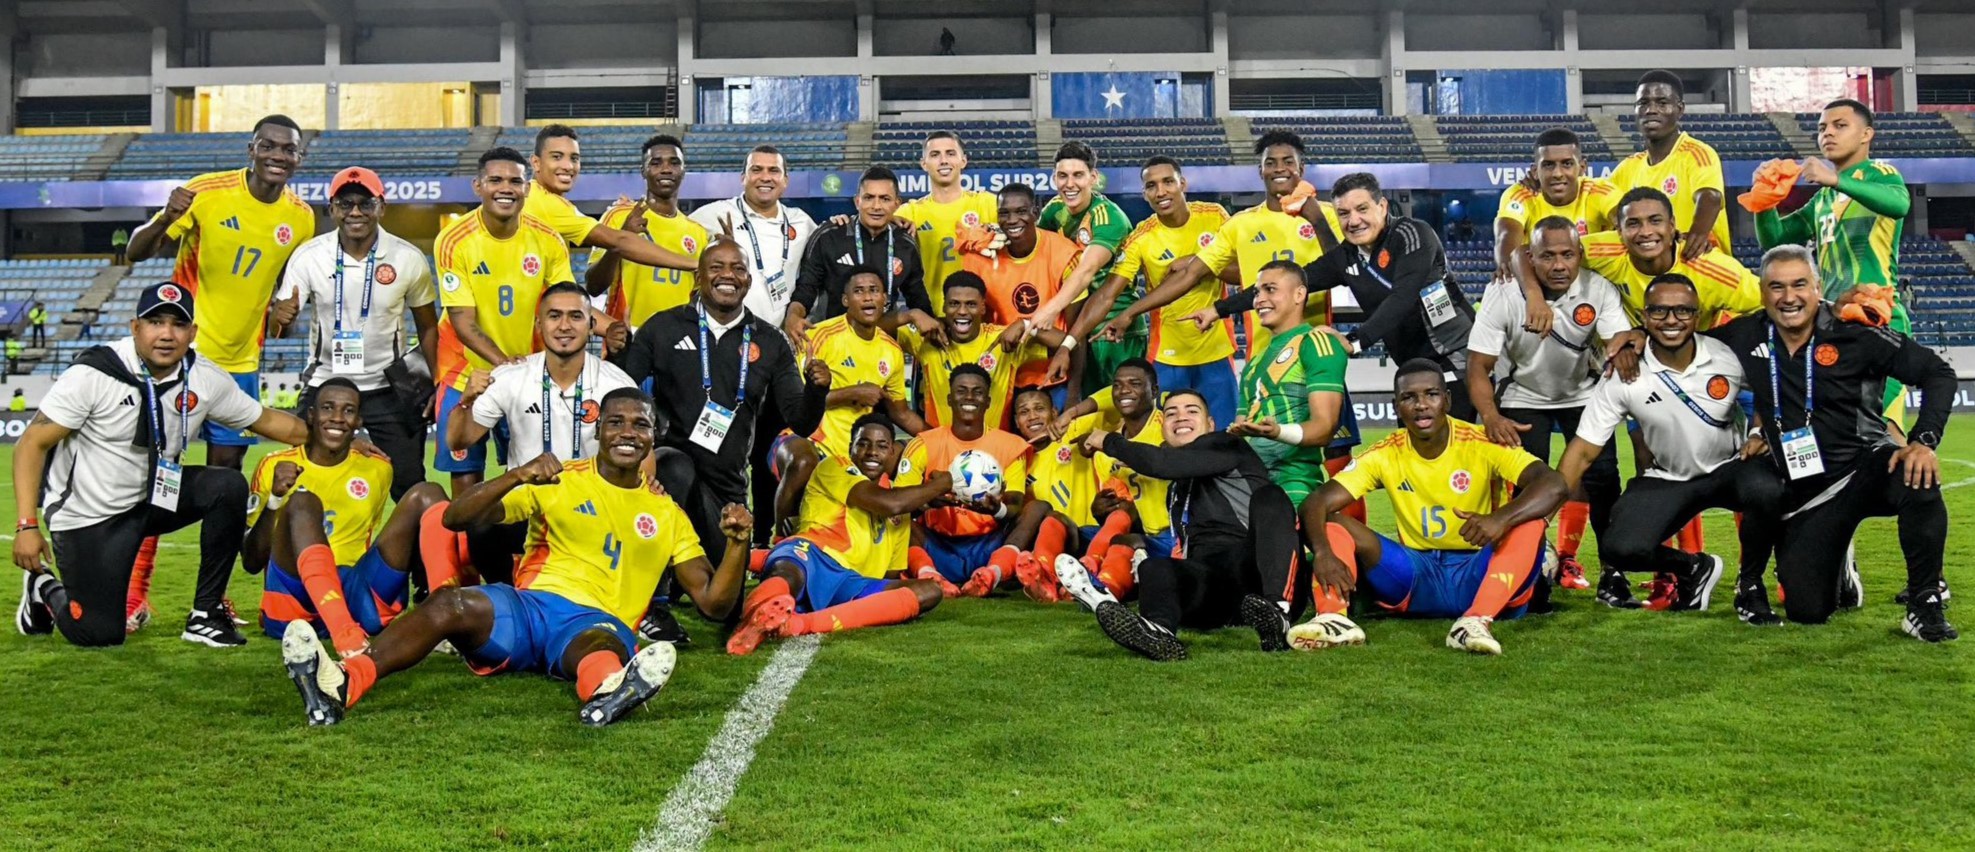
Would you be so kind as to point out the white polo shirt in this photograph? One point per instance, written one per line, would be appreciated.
(401, 280)
(1558, 369)
(98, 472)
(1689, 417)
(772, 246)
(518, 394)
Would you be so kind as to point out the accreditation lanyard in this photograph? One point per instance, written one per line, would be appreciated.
(858, 241)
(369, 279)
(706, 360)
(575, 412)
(1776, 381)
(159, 439)
(754, 240)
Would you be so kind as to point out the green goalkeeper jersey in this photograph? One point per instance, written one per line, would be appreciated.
(1854, 226)
(1278, 382)
(1102, 223)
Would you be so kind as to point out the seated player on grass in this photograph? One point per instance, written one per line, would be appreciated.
(1467, 553)
(1057, 515)
(609, 539)
(966, 544)
(842, 570)
(1292, 391)
(317, 522)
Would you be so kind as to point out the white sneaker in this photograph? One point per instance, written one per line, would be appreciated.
(317, 675)
(1070, 571)
(1326, 630)
(1471, 634)
(138, 620)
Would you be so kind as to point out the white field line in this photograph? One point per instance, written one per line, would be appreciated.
(693, 809)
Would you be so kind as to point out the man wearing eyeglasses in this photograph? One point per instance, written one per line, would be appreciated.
(362, 281)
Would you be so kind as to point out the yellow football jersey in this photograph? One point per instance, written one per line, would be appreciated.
(1727, 289)
(1148, 494)
(1472, 475)
(353, 496)
(231, 250)
(853, 360)
(501, 279)
(1692, 167)
(1591, 209)
(558, 212)
(1064, 477)
(1152, 249)
(640, 290)
(937, 225)
(936, 370)
(1258, 235)
(600, 545)
(858, 540)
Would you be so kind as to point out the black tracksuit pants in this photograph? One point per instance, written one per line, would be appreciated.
(1810, 562)
(1655, 508)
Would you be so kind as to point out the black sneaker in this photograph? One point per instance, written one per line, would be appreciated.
(1131, 630)
(1752, 605)
(215, 629)
(1539, 598)
(635, 684)
(1268, 620)
(658, 625)
(316, 674)
(1693, 591)
(1851, 592)
(1927, 620)
(1906, 595)
(1615, 591)
(32, 618)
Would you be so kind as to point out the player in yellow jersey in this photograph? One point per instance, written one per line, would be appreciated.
(1645, 246)
(317, 522)
(637, 291)
(842, 570)
(1465, 550)
(1686, 169)
(941, 216)
(1556, 186)
(611, 537)
(557, 162)
(1185, 355)
(493, 265)
(970, 339)
(232, 233)
(1057, 517)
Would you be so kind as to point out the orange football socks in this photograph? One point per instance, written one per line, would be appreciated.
(1570, 526)
(1049, 540)
(892, 606)
(1508, 568)
(1345, 549)
(316, 565)
(593, 669)
(438, 548)
(1116, 570)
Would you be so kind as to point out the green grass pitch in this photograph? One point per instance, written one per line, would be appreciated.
(1001, 723)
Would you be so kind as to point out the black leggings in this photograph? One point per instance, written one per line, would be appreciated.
(94, 562)
(1601, 481)
(1655, 508)
(1811, 557)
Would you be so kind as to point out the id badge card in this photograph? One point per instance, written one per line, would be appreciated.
(346, 353)
(1800, 455)
(1439, 305)
(776, 289)
(165, 484)
(711, 429)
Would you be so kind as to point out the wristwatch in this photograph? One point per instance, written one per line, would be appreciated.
(1930, 440)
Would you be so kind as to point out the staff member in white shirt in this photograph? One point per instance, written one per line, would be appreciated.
(772, 235)
(1684, 400)
(108, 440)
(362, 280)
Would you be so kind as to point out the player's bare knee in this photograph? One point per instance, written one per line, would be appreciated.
(928, 593)
(423, 497)
(457, 609)
(790, 574)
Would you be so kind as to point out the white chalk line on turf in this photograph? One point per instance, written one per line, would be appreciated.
(695, 805)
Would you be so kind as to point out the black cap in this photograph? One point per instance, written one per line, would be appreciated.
(165, 296)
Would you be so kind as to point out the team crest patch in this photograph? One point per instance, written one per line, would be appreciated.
(1306, 231)
(1826, 354)
(1287, 353)
(1584, 315)
(1460, 482)
(987, 361)
(1384, 258)
(897, 267)
(283, 235)
(1206, 240)
(904, 466)
(171, 293)
(449, 282)
(884, 369)
(1583, 227)
(387, 274)
(591, 409)
(1083, 236)
(187, 400)
(970, 219)
(689, 244)
(531, 265)
(359, 488)
(753, 352)
(647, 526)
(459, 455)
(1718, 387)
(1670, 186)
(1027, 298)
(1063, 454)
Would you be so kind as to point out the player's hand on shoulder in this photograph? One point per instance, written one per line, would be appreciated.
(285, 475)
(736, 522)
(1694, 246)
(840, 220)
(616, 338)
(1011, 336)
(1537, 317)
(795, 327)
(478, 383)
(366, 447)
(540, 470)
(1622, 354)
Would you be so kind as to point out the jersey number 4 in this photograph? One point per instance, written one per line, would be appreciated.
(612, 548)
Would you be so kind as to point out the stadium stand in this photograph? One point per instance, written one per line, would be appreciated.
(1349, 138)
(716, 147)
(1506, 138)
(1734, 137)
(1906, 134)
(1119, 142)
(177, 156)
(42, 158)
(409, 152)
(990, 144)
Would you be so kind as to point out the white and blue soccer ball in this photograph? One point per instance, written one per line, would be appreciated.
(976, 476)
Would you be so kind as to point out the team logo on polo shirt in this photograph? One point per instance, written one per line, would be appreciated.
(187, 400)
(171, 293)
(590, 410)
(359, 488)
(531, 265)
(1027, 298)
(788, 232)
(1584, 315)
(1826, 354)
(753, 352)
(689, 244)
(283, 235)
(1306, 231)
(1670, 186)
(647, 525)
(897, 267)
(1206, 240)
(387, 274)
(1718, 387)
(1460, 482)
(1063, 454)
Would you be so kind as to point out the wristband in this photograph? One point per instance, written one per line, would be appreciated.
(1001, 512)
(1291, 434)
(1069, 343)
(274, 502)
(27, 524)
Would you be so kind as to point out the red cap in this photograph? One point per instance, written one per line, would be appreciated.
(356, 175)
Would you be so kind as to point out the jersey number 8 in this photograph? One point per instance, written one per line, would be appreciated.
(507, 300)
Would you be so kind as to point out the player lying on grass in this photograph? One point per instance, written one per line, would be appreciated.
(317, 522)
(1238, 535)
(966, 543)
(608, 539)
(842, 571)
(1059, 518)
(1464, 551)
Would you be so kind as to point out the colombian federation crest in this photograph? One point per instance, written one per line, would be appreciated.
(1206, 239)
(1461, 481)
(531, 265)
(387, 274)
(358, 488)
(1306, 231)
(970, 219)
(187, 400)
(647, 526)
(1718, 387)
(689, 244)
(1584, 315)
(1063, 454)
(1670, 186)
(283, 235)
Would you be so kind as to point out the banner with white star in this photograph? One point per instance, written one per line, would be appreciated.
(1115, 94)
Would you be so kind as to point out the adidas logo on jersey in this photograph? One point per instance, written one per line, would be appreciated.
(482, 269)
(1167, 255)
(1259, 238)
(849, 362)
(231, 222)
(686, 344)
(533, 408)
(128, 400)
(1652, 397)
(1406, 486)
(588, 508)
(925, 227)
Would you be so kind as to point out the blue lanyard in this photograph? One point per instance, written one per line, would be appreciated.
(858, 241)
(369, 278)
(754, 240)
(575, 412)
(1666, 376)
(151, 409)
(1776, 382)
(706, 360)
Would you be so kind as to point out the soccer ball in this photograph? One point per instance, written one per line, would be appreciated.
(976, 476)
